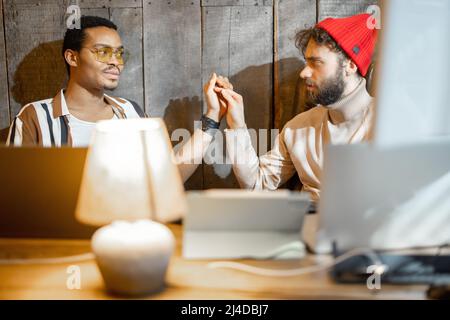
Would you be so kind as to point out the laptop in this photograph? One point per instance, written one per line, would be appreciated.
(384, 198)
(39, 192)
(234, 224)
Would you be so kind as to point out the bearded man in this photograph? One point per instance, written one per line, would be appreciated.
(337, 53)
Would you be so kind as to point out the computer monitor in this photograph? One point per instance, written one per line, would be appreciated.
(413, 72)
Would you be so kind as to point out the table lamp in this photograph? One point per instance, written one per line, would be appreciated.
(131, 183)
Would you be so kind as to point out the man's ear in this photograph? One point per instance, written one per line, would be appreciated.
(71, 57)
(350, 68)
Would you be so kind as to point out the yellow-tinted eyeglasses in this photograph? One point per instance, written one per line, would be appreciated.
(105, 54)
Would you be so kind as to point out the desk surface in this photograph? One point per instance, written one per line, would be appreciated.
(186, 279)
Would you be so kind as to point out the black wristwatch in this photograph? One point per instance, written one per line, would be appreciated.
(209, 125)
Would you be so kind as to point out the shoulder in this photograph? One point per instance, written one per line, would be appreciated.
(311, 118)
(120, 100)
(130, 106)
(302, 125)
(32, 109)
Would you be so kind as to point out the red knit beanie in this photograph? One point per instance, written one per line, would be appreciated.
(354, 36)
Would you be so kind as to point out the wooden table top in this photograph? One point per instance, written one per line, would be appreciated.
(186, 279)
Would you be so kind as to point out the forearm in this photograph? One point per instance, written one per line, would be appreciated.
(243, 157)
(191, 154)
(266, 172)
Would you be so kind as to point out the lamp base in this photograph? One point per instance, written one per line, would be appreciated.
(133, 256)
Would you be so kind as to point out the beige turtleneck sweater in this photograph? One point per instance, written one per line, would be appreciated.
(300, 145)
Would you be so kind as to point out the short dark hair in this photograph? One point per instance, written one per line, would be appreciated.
(73, 39)
(321, 37)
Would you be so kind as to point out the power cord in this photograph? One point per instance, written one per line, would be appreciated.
(371, 254)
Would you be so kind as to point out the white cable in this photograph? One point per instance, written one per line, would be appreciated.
(57, 260)
(300, 271)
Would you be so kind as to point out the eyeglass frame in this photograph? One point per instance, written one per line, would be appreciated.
(114, 51)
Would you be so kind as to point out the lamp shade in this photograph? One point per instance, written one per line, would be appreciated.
(130, 174)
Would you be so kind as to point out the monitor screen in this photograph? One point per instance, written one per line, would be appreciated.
(413, 78)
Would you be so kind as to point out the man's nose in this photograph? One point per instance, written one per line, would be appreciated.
(114, 61)
(306, 72)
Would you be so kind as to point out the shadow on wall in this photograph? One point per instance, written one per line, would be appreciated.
(181, 113)
(3, 135)
(254, 84)
(292, 92)
(40, 75)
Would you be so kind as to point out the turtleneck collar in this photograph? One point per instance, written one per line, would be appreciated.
(351, 105)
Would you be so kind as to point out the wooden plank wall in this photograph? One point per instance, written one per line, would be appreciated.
(175, 46)
(4, 96)
(238, 43)
(292, 16)
(172, 65)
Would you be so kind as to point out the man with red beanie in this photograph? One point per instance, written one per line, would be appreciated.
(337, 53)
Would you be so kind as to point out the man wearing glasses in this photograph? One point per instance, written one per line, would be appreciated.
(95, 58)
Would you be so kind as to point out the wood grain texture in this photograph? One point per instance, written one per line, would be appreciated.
(110, 4)
(238, 43)
(172, 65)
(99, 12)
(129, 23)
(186, 279)
(342, 8)
(172, 57)
(222, 3)
(291, 16)
(264, 3)
(216, 38)
(251, 58)
(34, 33)
(4, 95)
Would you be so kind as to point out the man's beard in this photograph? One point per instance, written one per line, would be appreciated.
(329, 92)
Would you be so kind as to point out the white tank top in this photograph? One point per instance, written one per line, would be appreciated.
(81, 131)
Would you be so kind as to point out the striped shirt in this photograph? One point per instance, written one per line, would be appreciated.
(46, 123)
